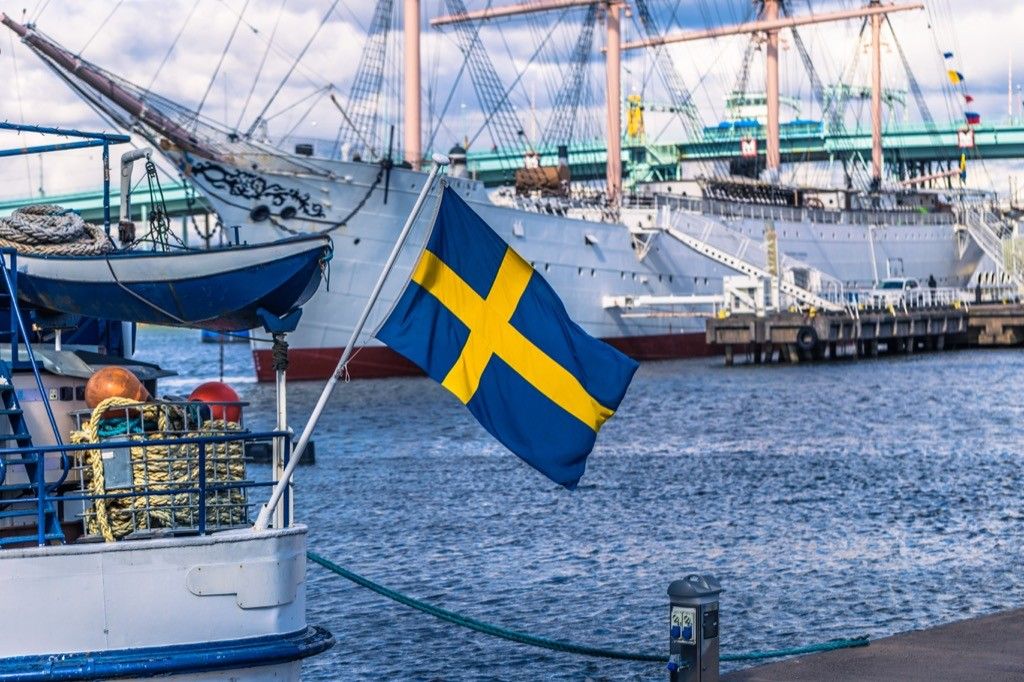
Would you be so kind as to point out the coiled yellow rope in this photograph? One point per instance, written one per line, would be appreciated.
(159, 469)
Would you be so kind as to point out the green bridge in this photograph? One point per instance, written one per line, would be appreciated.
(907, 149)
(180, 202)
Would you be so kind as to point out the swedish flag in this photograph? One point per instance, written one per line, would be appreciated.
(478, 319)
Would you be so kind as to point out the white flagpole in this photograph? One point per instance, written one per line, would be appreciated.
(440, 161)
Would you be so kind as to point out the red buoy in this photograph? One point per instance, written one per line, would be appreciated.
(213, 392)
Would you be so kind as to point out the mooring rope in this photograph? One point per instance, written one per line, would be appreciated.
(53, 230)
(558, 645)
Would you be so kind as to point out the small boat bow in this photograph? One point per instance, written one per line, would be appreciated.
(220, 289)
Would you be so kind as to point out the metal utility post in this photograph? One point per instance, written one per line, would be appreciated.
(285, 512)
(440, 161)
(693, 629)
(106, 188)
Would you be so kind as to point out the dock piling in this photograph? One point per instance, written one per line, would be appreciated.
(831, 335)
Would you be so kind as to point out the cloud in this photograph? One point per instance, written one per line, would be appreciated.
(133, 37)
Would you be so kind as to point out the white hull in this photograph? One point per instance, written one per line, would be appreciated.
(106, 604)
(585, 260)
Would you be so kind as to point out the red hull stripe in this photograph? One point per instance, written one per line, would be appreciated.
(375, 362)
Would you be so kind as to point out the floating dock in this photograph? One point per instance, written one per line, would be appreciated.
(988, 648)
(799, 336)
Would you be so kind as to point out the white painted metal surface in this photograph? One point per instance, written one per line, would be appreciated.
(135, 594)
(582, 274)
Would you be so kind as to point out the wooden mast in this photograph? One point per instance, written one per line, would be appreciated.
(773, 155)
(876, 99)
(112, 90)
(411, 84)
(613, 71)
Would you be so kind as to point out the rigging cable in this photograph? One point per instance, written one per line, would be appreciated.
(174, 43)
(291, 69)
(220, 62)
(41, 10)
(519, 77)
(263, 62)
(103, 25)
(316, 100)
(21, 110)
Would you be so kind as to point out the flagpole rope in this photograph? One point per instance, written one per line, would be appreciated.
(558, 645)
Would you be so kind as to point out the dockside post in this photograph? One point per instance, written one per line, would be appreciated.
(693, 629)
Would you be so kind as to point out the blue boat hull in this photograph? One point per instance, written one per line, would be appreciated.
(166, 660)
(206, 290)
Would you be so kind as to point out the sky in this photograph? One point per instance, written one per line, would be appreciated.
(139, 39)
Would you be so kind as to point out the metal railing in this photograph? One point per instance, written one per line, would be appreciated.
(889, 300)
(199, 499)
(766, 211)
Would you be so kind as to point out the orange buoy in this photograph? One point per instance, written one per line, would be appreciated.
(216, 394)
(112, 381)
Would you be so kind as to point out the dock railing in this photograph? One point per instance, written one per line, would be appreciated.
(892, 300)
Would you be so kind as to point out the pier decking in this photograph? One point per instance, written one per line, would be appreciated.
(989, 648)
(794, 337)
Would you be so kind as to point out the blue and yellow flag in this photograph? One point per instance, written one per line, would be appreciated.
(478, 319)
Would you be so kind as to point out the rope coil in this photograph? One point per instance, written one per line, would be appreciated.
(279, 353)
(156, 470)
(48, 229)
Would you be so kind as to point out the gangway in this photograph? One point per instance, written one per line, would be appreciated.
(737, 261)
(984, 229)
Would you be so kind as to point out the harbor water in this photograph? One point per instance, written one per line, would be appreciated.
(834, 500)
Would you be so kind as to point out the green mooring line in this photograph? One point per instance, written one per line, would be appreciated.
(557, 645)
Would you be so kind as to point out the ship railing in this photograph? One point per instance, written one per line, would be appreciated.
(894, 300)
(799, 215)
(190, 486)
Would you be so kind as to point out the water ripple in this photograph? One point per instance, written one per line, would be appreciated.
(831, 500)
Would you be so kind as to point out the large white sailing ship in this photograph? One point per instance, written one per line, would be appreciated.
(627, 264)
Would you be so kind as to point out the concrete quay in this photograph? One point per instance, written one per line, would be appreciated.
(988, 648)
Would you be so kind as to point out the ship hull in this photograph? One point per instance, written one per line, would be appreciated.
(224, 606)
(378, 362)
(586, 258)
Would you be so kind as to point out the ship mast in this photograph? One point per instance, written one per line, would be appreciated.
(876, 99)
(613, 79)
(770, 24)
(773, 155)
(171, 131)
(411, 84)
(613, 65)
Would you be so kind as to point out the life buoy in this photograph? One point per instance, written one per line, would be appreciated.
(806, 338)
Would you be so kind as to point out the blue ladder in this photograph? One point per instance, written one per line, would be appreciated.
(44, 510)
(34, 467)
